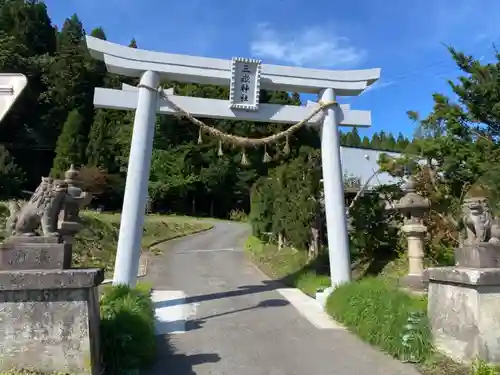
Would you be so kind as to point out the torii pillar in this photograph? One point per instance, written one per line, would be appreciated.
(151, 66)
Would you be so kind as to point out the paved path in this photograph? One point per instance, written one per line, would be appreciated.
(227, 318)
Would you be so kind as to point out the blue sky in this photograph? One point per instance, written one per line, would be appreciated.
(403, 37)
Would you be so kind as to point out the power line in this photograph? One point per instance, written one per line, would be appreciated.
(448, 64)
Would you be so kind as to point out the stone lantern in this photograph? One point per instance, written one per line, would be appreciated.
(76, 199)
(414, 207)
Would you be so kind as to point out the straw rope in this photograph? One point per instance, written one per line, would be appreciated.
(244, 141)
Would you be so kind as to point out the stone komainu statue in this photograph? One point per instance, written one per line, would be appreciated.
(42, 209)
(478, 222)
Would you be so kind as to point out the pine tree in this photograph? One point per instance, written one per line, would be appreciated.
(68, 79)
(390, 143)
(365, 142)
(98, 33)
(97, 147)
(356, 139)
(11, 176)
(133, 43)
(69, 148)
(375, 141)
(401, 142)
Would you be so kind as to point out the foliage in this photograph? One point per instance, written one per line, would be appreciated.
(29, 372)
(11, 176)
(69, 145)
(95, 245)
(93, 179)
(127, 329)
(186, 177)
(374, 230)
(287, 202)
(455, 152)
(365, 308)
(238, 215)
(483, 368)
(290, 266)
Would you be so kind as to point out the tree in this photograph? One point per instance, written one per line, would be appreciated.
(390, 143)
(133, 43)
(456, 150)
(99, 149)
(71, 77)
(352, 138)
(69, 148)
(11, 176)
(401, 142)
(376, 141)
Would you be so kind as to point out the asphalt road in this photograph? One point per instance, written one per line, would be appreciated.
(238, 324)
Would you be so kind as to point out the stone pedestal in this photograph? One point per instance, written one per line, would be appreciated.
(480, 255)
(21, 253)
(464, 306)
(49, 320)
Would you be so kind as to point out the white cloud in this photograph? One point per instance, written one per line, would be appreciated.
(318, 47)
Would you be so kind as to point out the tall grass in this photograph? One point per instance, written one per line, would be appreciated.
(127, 329)
(378, 312)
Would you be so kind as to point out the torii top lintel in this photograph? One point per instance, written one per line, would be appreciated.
(133, 62)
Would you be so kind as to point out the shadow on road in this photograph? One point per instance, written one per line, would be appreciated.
(198, 323)
(191, 325)
(171, 363)
(267, 285)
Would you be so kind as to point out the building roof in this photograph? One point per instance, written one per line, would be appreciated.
(362, 163)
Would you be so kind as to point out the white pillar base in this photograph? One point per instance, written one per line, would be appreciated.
(322, 296)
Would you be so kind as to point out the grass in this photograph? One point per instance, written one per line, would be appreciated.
(127, 329)
(95, 245)
(288, 265)
(366, 306)
(127, 315)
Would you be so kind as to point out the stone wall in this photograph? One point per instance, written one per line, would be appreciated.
(463, 312)
(49, 320)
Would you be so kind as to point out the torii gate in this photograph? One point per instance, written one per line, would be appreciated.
(151, 67)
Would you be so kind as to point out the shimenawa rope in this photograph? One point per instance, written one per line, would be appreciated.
(244, 141)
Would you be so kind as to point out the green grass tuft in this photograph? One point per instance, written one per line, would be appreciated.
(127, 328)
(287, 265)
(378, 312)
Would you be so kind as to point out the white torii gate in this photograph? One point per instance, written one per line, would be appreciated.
(151, 67)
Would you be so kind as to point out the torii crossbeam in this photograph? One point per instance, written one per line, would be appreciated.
(154, 66)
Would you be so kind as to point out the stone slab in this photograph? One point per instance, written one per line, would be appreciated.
(463, 312)
(50, 279)
(17, 255)
(482, 255)
(32, 239)
(465, 276)
(53, 329)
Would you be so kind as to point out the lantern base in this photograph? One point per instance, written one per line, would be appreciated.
(417, 283)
